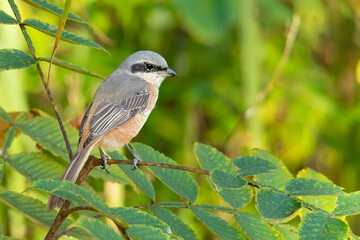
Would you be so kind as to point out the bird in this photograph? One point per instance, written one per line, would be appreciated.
(119, 109)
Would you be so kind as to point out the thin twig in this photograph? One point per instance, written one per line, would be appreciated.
(64, 232)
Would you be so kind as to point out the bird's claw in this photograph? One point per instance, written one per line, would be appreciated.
(105, 158)
(136, 164)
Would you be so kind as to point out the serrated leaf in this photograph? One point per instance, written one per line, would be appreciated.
(278, 177)
(67, 36)
(216, 208)
(97, 228)
(175, 223)
(223, 180)
(249, 166)
(37, 211)
(9, 137)
(145, 232)
(15, 59)
(172, 204)
(178, 181)
(287, 231)
(237, 198)
(52, 8)
(46, 132)
(138, 177)
(216, 224)
(35, 165)
(326, 203)
(4, 115)
(136, 216)
(71, 191)
(254, 227)
(348, 204)
(115, 175)
(210, 158)
(275, 205)
(71, 67)
(6, 19)
(319, 225)
(306, 187)
(15, 9)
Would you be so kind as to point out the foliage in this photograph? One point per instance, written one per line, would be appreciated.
(309, 206)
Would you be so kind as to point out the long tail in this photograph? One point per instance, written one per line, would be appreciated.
(71, 173)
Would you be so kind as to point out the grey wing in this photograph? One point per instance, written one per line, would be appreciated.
(109, 116)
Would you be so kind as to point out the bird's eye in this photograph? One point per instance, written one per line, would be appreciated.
(149, 66)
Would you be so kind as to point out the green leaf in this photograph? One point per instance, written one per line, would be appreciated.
(275, 205)
(138, 177)
(306, 186)
(175, 223)
(287, 231)
(178, 181)
(326, 203)
(37, 211)
(15, 10)
(97, 228)
(35, 165)
(46, 132)
(146, 232)
(136, 216)
(67, 36)
(9, 137)
(216, 224)
(172, 204)
(71, 67)
(52, 8)
(71, 191)
(276, 178)
(15, 59)
(224, 180)
(319, 225)
(116, 175)
(4, 115)
(237, 198)
(249, 166)
(348, 204)
(6, 19)
(254, 227)
(210, 158)
(215, 208)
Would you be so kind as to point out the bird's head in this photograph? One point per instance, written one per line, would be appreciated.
(149, 66)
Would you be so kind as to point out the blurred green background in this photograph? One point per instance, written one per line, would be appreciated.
(226, 53)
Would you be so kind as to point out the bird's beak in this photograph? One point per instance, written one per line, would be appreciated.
(170, 73)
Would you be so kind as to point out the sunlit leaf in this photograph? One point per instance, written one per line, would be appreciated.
(71, 191)
(15, 9)
(175, 223)
(52, 8)
(172, 204)
(248, 166)
(2, 169)
(98, 229)
(287, 231)
(35, 165)
(4, 115)
(278, 177)
(319, 225)
(179, 181)
(15, 59)
(348, 204)
(306, 186)
(216, 224)
(138, 177)
(71, 67)
(6, 19)
(210, 158)
(51, 30)
(255, 228)
(146, 232)
(37, 211)
(216, 208)
(136, 216)
(275, 205)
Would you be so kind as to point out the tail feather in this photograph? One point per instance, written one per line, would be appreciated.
(71, 174)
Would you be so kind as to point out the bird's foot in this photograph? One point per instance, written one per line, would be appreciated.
(136, 164)
(105, 158)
